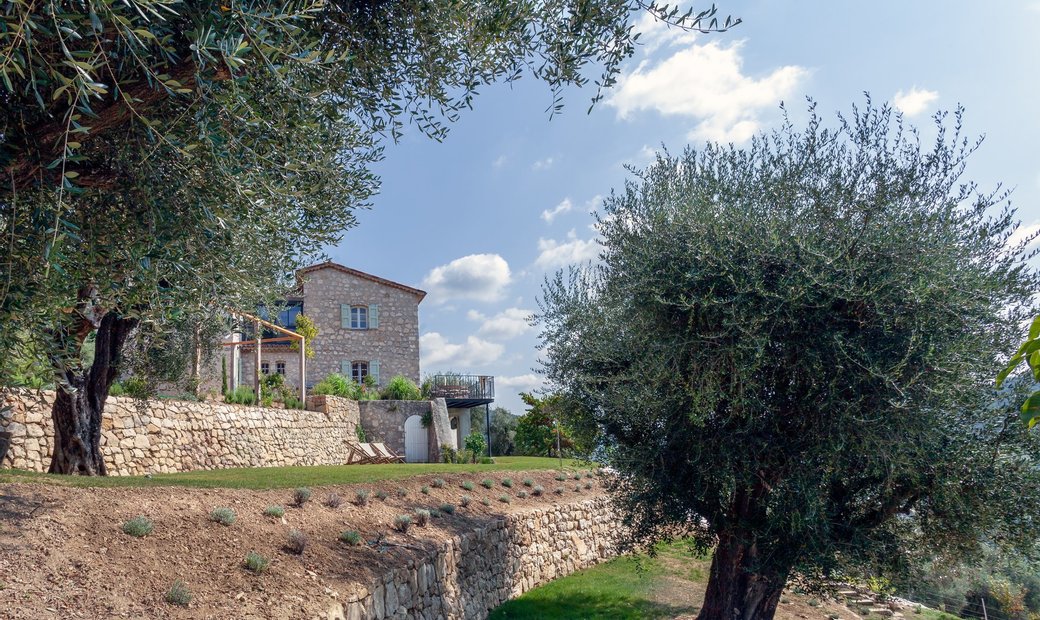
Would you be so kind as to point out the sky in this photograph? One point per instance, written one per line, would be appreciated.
(480, 219)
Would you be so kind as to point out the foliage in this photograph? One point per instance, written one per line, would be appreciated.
(333, 500)
(336, 384)
(503, 429)
(507, 482)
(438, 483)
(821, 308)
(536, 430)
(401, 388)
(301, 495)
(274, 510)
(241, 395)
(468, 485)
(475, 445)
(485, 501)
(296, 543)
(538, 490)
(134, 387)
(487, 483)
(361, 496)
(425, 490)
(449, 454)
(382, 495)
(305, 327)
(274, 388)
(222, 515)
(256, 563)
(504, 498)
(486, 460)
(351, 537)
(137, 527)
(1028, 352)
(427, 419)
(178, 594)
(402, 523)
(422, 517)
(465, 500)
(448, 509)
(522, 494)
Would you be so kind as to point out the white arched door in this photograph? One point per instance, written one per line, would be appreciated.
(416, 441)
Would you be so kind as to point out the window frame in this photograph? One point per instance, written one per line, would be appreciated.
(265, 368)
(359, 369)
(359, 317)
(279, 367)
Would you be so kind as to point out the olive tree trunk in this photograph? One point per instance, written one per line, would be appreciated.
(739, 588)
(82, 393)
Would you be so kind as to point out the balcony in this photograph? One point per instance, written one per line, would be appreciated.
(463, 391)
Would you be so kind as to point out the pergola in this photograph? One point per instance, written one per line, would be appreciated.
(258, 343)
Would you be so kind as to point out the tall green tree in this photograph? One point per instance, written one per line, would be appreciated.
(503, 429)
(161, 155)
(787, 347)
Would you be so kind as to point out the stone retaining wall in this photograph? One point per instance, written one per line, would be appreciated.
(164, 436)
(473, 573)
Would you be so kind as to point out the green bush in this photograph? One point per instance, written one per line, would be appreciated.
(507, 483)
(487, 483)
(402, 492)
(486, 460)
(333, 500)
(425, 490)
(537, 490)
(137, 527)
(274, 510)
(476, 445)
(521, 494)
(381, 495)
(360, 432)
(422, 517)
(351, 537)
(485, 501)
(528, 482)
(401, 388)
(466, 499)
(178, 594)
(301, 496)
(256, 562)
(223, 516)
(438, 483)
(337, 385)
(448, 509)
(361, 496)
(296, 543)
(503, 498)
(469, 486)
(402, 523)
(449, 454)
(241, 395)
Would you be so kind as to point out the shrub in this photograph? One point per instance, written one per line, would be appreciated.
(241, 395)
(402, 523)
(361, 497)
(560, 477)
(588, 485)
(528, 482)
(351, 537)
(297, 542)
(435, 513)
(521, 494)
(178, 594)
(537, 490)
(137, 527)
(577, 475)
(382, 495)
(469, 486)
(401, 388)
(487, 460)
(558, 490)
(360, 432)
(425, 490)
(503, 498)
(448, 509)
(485, 501)
(422, 517)
(222, 515)
(588, 474)
(449, 454)
(256, 562)
(333, 500)
(466, 499)
(137, 387)
(337, 385)
(577, 488)
(487, 483)
(274, 510)
(475, 445)
(507, 483)
(438, 483)
(301, 496)
(402, 492)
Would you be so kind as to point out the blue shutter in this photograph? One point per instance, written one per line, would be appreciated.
(344, 368)
(373, 317)
(373, 369)
(344, 316)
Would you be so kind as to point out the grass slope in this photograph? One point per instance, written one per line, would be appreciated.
(288, 477)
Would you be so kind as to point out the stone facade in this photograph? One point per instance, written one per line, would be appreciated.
(473, 573)
(393, 421)
(165, 436)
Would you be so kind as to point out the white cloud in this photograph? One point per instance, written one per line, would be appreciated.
(550, 215)
(522, 383)
(553, 253)
(499, 162)
(509, 323)
(436, 350)
(1023, 232)
(655, 34)
(483, 277)
(543, 164)
(707, 83)
(915, 101)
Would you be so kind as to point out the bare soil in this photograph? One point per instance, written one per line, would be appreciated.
(63, 553)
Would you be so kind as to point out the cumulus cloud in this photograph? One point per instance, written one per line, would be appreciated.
(543, 164)
(509, 323)
(1023, 232)
(914, 101)
(707, 84)
(553, 253)
(499, 162)
(436, 350)
(550, 214)
(483, 277)
(522, 383)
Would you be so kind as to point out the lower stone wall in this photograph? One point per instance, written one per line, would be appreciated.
(165, 436)
(475, 572)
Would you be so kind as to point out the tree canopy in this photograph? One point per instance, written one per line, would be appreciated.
(791, 345)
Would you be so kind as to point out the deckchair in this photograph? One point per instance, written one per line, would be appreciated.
(361, 454)
(387, 453)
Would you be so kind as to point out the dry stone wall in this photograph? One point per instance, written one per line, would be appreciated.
(165, 436)
(473, 573)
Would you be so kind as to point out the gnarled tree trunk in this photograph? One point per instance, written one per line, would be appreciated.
(81, 396)
(739, 586)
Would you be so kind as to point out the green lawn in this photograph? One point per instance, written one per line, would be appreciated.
(629, 587)
(288, 477)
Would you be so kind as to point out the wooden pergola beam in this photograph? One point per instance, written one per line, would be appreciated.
(289, 336)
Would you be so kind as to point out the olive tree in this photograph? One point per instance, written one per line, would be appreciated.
(788, 348)
(162, 157)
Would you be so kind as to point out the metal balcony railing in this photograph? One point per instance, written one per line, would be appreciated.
(463, 387)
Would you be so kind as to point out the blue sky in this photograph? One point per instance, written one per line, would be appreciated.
(480, 219)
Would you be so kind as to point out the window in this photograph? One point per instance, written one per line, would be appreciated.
(454, 424)
(358, 371)
(265, 368)
(359, 317)
(279, 367)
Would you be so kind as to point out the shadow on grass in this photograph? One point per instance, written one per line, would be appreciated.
(587, 606)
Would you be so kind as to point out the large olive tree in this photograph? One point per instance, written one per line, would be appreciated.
(789, 347)
(159, 157)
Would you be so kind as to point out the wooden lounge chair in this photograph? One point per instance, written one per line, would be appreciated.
(388, 453)
(373, 455)
(361, 454)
